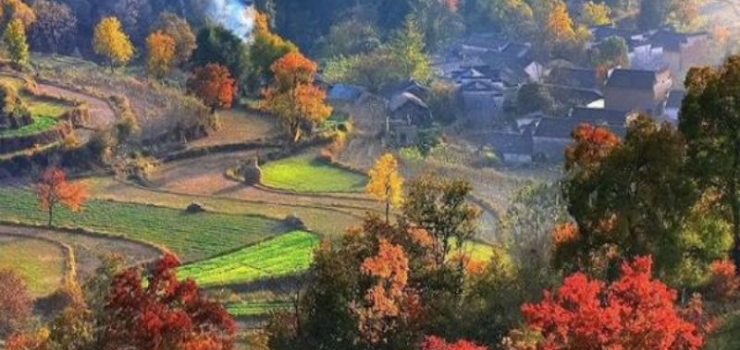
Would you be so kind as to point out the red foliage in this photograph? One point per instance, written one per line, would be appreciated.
(214, 85)
(16, 303)
(724, 283)
(590, 145)
(164, 313)
(293, 69)
(26, 342)
(436, 343)
(634, 312)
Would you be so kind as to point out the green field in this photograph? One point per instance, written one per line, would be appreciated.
(40, 123)
(40, 107)
(191, 236)
(255, 308)
(41, 264)
(307, 174)
(279, 256)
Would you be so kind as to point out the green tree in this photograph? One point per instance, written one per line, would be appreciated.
(15, 42)
(409, 46)
(54, 28)
(218, 45)
(440, 206)
(350, 37)
(612, 52)
(534, 98)
(266, 49)
(710, 122)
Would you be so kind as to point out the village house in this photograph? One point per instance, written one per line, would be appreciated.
(637, 90)
(601, 116)
(673, 106)
(581, 78)
(483, 102)
(407, 113)
(512, 148)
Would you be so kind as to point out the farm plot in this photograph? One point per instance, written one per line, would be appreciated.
(191, 236)
(306, 173)
(280, 256)
(41, 264)
(256, 308)
(40, 123)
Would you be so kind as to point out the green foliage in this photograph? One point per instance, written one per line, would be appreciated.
(309, 174)
(727, 336)
(611, 52)
(408, 44)
(283, 255)
(350, 37)
(215, 44)
(534, 98)
(192, 236)
(444, 103)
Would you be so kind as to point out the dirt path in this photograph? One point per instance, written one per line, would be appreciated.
(102, 115)
(88, 249)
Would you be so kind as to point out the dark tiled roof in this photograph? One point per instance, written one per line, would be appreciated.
(671, 40)
(574, 77)
(675, 97)
(571, 96)
(511, 143)
(600, 116)
(478, 85)
(411, 86)
(632, 79)
(398, 101)
(602, 32)
(561, 128)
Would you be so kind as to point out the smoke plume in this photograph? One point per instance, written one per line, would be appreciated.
(234, 15)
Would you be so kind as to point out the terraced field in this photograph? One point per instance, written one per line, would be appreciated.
(41, 264)
(256, 308)
(279, 256)
(40, 123)
(191, 236)
(306, 173)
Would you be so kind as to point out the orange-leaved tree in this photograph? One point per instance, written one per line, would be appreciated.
(293, 98)
(437, 343)
(160, 312)
(389, 301)
(162, 49)
(53, 188)
(214, 85)
(634, 312)
(386, 183)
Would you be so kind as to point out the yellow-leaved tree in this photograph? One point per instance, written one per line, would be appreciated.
(386, 184)
(162, 50)
(112, 42)
(596, 14)
(15, 42)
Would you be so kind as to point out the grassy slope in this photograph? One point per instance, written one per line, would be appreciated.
(192, 236)
(307, 174)
(41, 264)
(283, 255)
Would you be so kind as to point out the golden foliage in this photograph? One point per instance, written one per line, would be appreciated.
(162, 51)
(596, 14)
(386, 183)
(110, 41)
(15, 42)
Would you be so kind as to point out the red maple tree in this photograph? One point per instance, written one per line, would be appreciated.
(214, 85)
(437, 343)
(53, 188)
(590, 145)
(164, 313)
(635, 312)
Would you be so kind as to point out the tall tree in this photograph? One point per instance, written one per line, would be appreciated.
(179, 29)
(630, 198)
(409, 46)
(54, 28)
(160, 312)
(110, 41)
(386, 183)
(634, 312)
(267, 48)
(710, 122)
(53, 188)
(293, 98)
(213, 85)
(611, 52)
(16, 43)
(440, 206)
(161, 54)
(16, 303)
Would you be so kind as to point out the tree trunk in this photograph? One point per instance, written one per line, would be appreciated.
(735, 207)
(387, 211)
(51, 214)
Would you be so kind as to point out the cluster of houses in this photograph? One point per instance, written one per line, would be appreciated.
(487, 71)
(490, 68)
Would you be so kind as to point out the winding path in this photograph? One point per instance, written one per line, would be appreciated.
(103, 116)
